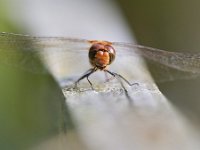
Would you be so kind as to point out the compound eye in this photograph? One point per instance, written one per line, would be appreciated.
(111, 52)
(94, 49)
(112, 58)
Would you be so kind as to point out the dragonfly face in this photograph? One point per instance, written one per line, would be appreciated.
(101, 54)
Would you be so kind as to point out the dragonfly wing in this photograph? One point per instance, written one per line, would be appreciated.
(25, 51)
(164, 65)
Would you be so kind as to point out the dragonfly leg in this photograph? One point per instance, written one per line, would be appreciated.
(90, 81)
(108, 78)
(86, 75)
(120, 78)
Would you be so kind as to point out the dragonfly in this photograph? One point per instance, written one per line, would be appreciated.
(92, 55)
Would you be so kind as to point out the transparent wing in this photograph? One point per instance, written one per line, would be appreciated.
(24, 51)
(164, 65)
(70, 56)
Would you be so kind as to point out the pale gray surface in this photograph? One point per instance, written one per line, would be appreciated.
(107, 122)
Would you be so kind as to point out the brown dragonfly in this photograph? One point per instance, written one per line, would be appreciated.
(92, 55)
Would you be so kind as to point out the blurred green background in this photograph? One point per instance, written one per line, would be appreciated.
(173, 26)
(31, 105)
